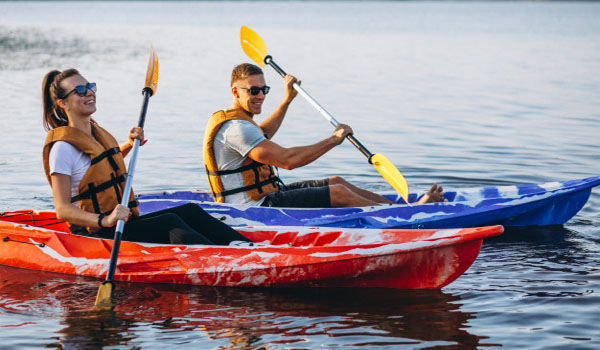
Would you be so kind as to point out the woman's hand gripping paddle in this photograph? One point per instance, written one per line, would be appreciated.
(254, 46)
(103, 299)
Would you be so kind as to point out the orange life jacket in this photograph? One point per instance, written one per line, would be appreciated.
(102, 185)
(259, 179)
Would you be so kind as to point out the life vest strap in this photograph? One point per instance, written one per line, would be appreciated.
(241, 169)
(116, 187)
(92, 190)
(101, 187)
(109, 152)
(258, 186)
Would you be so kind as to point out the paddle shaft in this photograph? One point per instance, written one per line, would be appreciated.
(147, 92)
(318, 107)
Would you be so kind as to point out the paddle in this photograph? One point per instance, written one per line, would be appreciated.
(254, 46)
(103, 299)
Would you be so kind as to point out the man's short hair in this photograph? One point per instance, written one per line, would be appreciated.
(242, 71)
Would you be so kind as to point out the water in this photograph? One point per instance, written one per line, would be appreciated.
(459, 93)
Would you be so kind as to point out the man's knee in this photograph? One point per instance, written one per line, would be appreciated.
(337, 180)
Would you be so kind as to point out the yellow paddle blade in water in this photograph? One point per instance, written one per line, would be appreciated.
(389, 172)
(253, 45)
(152, 71)
(103, 300)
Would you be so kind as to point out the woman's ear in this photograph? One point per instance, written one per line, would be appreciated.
(61, 103)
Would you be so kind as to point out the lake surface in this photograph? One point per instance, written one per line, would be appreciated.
(457, 93)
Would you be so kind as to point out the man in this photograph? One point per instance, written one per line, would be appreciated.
(239, 155)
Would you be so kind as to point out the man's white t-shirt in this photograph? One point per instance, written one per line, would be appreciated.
(65, 159)
(232, 143)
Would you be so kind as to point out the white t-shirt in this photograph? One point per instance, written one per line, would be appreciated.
(65, 159)
(234, 140)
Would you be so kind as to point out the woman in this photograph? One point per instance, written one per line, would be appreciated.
(85, 168)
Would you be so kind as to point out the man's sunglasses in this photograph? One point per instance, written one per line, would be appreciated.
(254, 90)
(81, 90)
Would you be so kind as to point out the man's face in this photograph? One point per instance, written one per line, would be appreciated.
(241, 90)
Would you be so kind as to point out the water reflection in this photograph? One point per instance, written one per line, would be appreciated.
(537, 262)
(533, 234)
(234, 318)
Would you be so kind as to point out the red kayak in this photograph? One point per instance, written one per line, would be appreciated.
(279, 257)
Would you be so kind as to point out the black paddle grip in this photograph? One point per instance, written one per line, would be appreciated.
(360, 147)
(269, 61)
(147, 92)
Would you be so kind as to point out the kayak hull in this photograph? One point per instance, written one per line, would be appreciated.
(281, 256)
(551, 203)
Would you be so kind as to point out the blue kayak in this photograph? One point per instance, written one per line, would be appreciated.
(552, 203)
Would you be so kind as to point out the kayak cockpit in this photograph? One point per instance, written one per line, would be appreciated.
(42, 219)
(48, 220)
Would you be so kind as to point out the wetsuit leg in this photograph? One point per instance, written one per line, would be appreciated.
(164, 228)
(202, 222)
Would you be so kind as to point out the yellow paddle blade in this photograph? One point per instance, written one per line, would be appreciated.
(253, 45)
(389, 172)
(152, 71)
(103, 300)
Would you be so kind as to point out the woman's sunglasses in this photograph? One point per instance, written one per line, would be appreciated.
(254, 90)
(81, 90)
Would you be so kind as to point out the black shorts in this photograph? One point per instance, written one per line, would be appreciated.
(303, 194)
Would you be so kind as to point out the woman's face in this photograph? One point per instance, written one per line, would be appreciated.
(80, 97)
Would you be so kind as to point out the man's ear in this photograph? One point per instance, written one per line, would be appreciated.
(234, 92)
